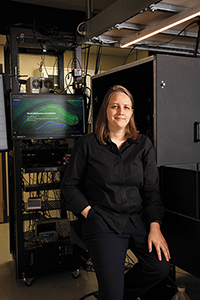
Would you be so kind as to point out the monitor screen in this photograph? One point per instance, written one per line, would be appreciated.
(47, 116)
(3, 130)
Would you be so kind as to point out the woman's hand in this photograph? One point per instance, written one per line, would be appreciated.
(86, 211)
(157, 239)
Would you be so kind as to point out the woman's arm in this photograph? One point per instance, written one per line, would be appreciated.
(153, 206)
(72, 184)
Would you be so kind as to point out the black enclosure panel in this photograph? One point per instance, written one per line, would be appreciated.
(182, 234)
(178, 107)
(180, 189)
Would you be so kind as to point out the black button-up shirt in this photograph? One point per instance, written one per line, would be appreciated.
(117, 183)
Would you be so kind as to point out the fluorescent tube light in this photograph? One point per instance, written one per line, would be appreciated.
(168, 23)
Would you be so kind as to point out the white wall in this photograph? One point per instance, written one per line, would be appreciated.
(2, 43)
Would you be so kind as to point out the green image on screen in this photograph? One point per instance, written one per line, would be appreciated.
(47, 117)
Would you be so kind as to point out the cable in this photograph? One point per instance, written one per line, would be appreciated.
(98, 60)
(77, 60)
(82, 33)
(165, 43)
(198, 38)
(86, 66)
(55, 63)
(42, 64)
(68, 85)
(128, 55)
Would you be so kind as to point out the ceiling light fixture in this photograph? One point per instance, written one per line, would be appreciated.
(168, 23)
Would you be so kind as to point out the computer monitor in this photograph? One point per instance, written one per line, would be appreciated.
(3, 128)
(47, 116)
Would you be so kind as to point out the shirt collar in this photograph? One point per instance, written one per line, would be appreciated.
(129, 141)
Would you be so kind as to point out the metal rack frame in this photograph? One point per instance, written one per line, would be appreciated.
(25, 40)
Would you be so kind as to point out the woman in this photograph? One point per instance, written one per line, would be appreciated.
(112, 181)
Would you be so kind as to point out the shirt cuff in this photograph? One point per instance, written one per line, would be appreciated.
(157, 221)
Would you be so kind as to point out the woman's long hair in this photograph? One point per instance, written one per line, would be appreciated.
(101, 126)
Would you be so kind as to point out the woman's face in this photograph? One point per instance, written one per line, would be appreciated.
(119, 111)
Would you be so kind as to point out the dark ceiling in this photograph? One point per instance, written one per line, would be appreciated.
(29, 15)
(66, 15)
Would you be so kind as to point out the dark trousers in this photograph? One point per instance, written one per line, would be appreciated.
(108, 252)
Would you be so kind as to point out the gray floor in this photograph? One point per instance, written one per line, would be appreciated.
(60, 286)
